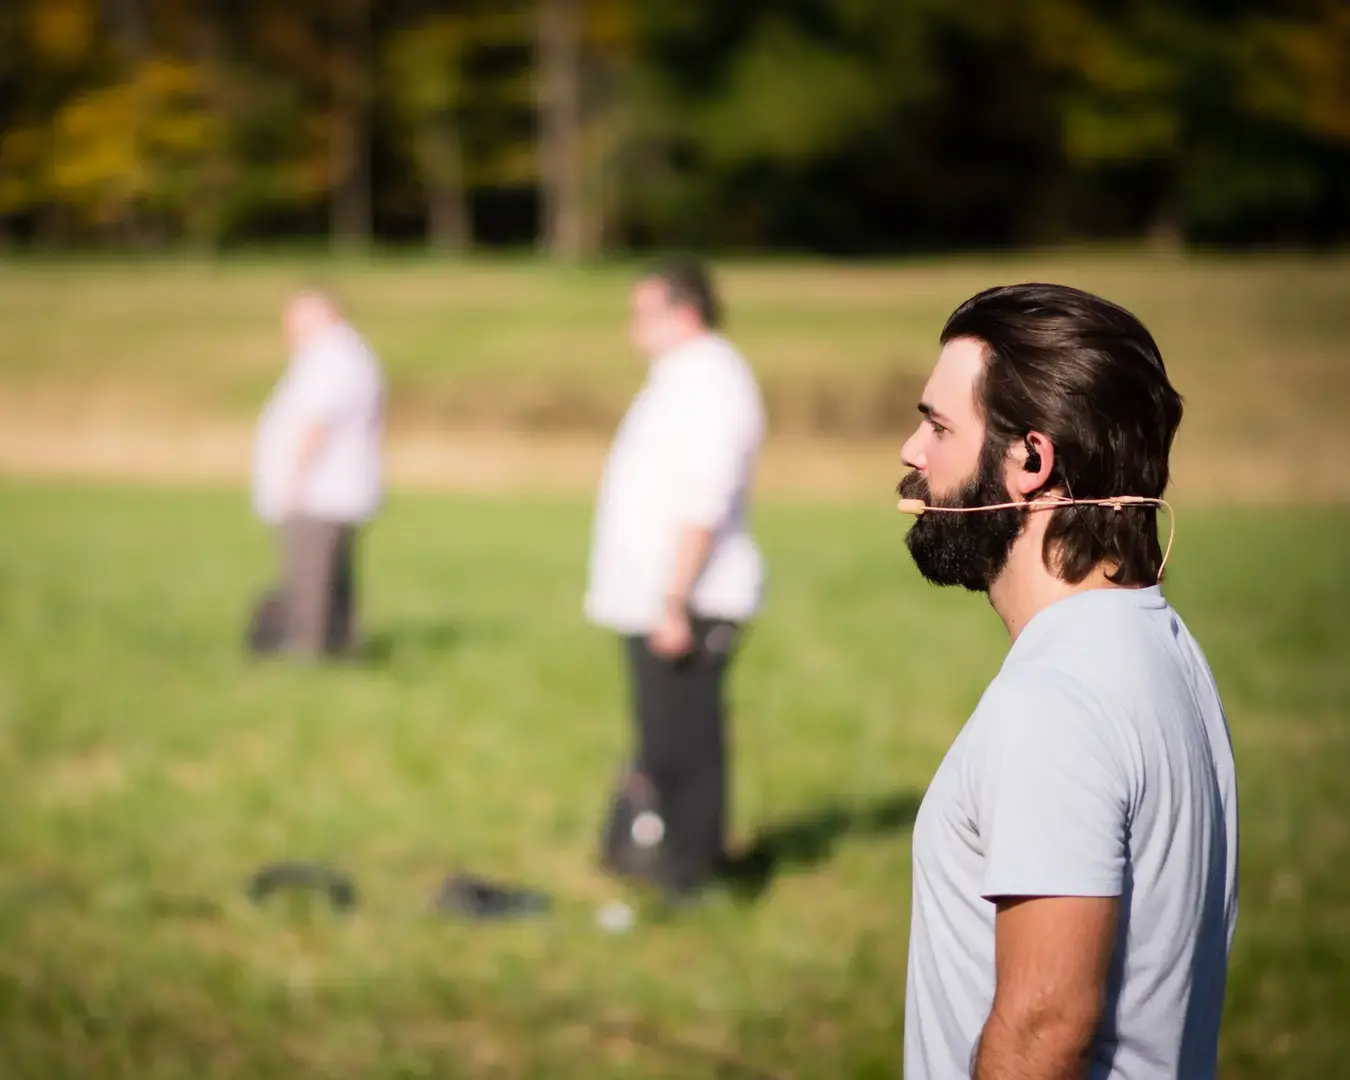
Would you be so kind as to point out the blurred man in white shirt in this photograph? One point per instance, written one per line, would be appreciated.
(675, 571)
(317, 472)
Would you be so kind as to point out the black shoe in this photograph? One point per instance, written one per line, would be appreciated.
(676, 899)
(477, 898)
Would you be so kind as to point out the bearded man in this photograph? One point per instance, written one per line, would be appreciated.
(1075, 856)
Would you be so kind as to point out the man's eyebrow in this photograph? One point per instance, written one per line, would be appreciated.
(933, 414)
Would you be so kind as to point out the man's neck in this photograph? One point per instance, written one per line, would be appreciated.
(1027, 587)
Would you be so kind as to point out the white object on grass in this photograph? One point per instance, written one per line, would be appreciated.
(616, 917)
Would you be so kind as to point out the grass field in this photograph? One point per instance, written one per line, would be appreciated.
(146, 769)
(94, 353)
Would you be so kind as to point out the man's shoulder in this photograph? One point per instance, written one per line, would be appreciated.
(1030, 686)
(348, 355)
(1050, 713)
(1098, 634)
(713, 365)
(353, 345)
(1055, 696)
(721, 350)
(1102, 660)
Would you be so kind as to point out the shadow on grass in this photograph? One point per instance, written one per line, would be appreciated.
(412, 638)
(809, 839)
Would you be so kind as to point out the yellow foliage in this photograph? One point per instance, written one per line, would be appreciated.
(139, 141)
(609, 25)
(424, 65)
(309, 172)
(63, 32)
(1298, 72)
(1319, 57)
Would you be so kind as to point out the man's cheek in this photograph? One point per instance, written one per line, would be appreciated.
(941, 478)
(949, 468)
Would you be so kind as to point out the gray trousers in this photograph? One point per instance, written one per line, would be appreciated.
(318, 586)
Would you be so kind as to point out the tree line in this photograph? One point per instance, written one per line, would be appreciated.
(582, 126)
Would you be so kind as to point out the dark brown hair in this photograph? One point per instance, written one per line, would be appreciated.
(688, 282)
(1087, 374)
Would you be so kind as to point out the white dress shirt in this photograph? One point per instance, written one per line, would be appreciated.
(335, 381)
(683, 456)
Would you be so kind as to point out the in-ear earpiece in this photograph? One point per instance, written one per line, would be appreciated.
(1033, 462)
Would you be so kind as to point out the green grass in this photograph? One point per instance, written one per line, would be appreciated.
(146, 769)
(1257, 345)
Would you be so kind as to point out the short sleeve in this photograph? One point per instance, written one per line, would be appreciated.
(718, 432)
(1052, 791)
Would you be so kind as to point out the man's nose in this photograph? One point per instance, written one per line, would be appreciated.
(912, 452)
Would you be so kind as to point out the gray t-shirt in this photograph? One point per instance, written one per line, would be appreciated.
(1098, 763)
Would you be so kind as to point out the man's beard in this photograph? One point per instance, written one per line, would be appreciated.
(969, 550)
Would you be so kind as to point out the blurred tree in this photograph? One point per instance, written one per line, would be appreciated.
(1296, 85)
(1222, 120)
(130, 155)
(60, 35)
(459, 86)
(127, 22)
(609, 86)
(832, 125)
(501, 101)
(207, 31)
(24, 155)
(1298, 68)
(560, 127)
(350, 60)
(425, 66)
(585, 51)
(783, 114)
(51, 51)
(283, 145)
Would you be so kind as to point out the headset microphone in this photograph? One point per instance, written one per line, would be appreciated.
(1053, 502)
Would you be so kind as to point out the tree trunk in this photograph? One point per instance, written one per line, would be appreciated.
(448, 223)
(1165, 232)
(206, 214)
(565, 232)
(349, 211)
(127, 23)
(51, 232)
(608, 132)
(127, 27)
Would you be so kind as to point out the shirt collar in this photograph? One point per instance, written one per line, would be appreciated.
(671, 357)
(1045, 621)
(311, 348)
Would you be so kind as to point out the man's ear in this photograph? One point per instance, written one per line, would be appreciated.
(1031, 463)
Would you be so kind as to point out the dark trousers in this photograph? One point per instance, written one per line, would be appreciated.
(681, 749)
(313, 612)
